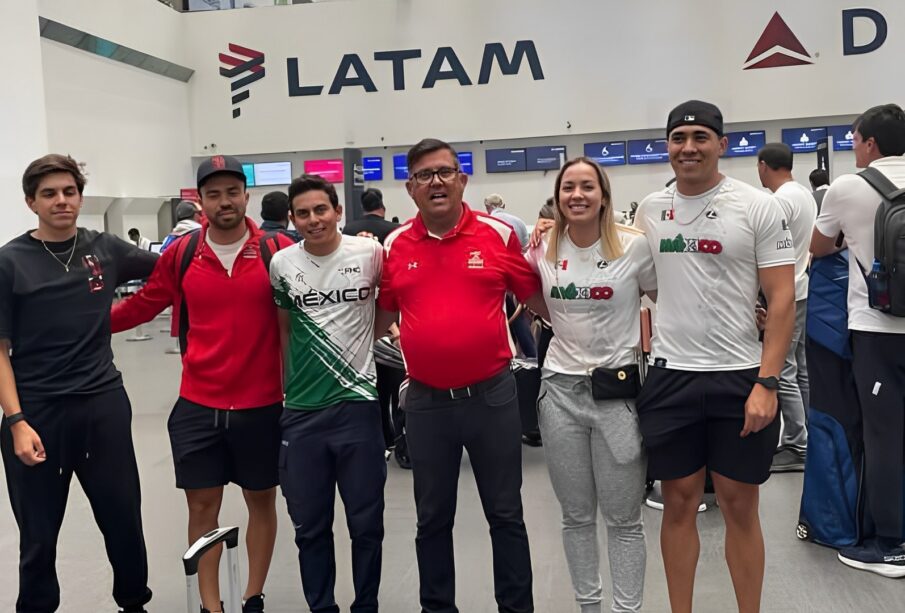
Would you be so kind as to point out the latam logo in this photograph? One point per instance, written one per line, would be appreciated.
(779, 46)
(251, 62)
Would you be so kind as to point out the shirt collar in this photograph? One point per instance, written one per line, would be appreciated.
(464, 226)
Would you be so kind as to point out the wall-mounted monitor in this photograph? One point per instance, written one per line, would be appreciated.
(466, 162)
(742, 144)
(249, 170)
(803, 140)
(273, 173)
(843, 137)
(329, 170)
(373, 168)
(155, 248)
(650, 151)
(606, 154)
(548, 157)
(400, 167)
(505, 160)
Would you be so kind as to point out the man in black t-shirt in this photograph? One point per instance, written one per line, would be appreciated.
(373, 222)
(65, 410)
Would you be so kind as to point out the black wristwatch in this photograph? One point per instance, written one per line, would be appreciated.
(771, 383)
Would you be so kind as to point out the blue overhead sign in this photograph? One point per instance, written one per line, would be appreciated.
(606, 154)
(743, 144)
(652, 151)
(803, 140)
(843, 137)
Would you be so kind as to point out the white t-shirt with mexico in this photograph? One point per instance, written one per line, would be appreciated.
(707, 251)
(594, 303)
(850, 205)
(800, 210)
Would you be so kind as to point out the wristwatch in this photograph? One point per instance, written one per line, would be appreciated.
(771, 383)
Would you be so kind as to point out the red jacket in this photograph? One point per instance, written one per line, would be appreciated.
(232, 360)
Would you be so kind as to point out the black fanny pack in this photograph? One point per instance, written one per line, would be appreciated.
(612, 383)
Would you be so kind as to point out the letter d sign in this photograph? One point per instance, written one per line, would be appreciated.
(849, 47)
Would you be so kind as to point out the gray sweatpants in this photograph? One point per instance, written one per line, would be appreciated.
(594, 456)
(794, 390)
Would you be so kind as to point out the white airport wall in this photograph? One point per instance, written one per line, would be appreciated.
(128, 125)
(607, 66)
(22, 114)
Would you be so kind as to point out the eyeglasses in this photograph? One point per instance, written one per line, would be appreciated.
(423, 177)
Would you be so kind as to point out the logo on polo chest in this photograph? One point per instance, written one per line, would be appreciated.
(573, 292)
(680, 244)
(475, 260)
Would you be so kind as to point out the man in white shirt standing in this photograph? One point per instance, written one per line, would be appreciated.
(710, 398)
(774, 166)
(878, 339)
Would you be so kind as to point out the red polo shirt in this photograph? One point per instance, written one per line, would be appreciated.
(450, 293)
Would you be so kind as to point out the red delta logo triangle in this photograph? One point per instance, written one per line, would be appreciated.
(778, 34)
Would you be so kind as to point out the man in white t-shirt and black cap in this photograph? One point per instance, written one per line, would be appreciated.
(774, 167)
(710, 398)
(878, 339)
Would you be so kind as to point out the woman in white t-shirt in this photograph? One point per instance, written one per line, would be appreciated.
(593, 273)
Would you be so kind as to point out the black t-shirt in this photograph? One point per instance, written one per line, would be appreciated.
(376, 225)
(58, 322)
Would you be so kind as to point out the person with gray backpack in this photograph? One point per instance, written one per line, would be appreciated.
(869, 209)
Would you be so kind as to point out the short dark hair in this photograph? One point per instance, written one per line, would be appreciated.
(134, 232)
(886, 125)
(311, 183)
(48, 165)
(776, 156)
(425, 146)
(372, 200)
(819, 177)
(274, 206)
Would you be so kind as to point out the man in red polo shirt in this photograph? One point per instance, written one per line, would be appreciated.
(447, 272)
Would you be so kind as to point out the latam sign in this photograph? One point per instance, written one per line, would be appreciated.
(778, 45)
(445, 65)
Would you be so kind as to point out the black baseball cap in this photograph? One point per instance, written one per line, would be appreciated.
(217, 164)
(695, 113)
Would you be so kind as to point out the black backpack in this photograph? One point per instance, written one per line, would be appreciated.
(886, 277)
(186, 247)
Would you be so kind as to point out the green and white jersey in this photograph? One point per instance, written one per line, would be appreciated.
(330, 300)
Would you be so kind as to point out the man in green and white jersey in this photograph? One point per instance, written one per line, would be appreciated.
(332, 435)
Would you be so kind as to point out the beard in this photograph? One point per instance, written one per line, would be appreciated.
(227, 224)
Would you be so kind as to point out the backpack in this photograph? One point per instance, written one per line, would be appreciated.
(186, 248)
(886, 277)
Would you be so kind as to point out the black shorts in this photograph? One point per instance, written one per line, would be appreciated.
(693, 419)
(213, 447)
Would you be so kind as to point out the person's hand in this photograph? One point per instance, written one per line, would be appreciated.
(760, 409)
(760, 315)
(366, 234)
(540, 228)
(27, 444)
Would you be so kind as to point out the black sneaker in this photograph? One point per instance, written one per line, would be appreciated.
(532, 439)
(787, 460)
(255, 604)
(402, 459)
(875, 556)
(655, 499)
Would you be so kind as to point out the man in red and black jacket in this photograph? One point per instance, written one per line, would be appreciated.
(225, 425)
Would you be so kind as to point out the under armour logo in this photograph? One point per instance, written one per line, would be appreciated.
(413, 265)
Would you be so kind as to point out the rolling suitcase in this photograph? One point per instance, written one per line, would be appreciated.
(230, 537)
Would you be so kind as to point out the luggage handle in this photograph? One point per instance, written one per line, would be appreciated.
(192, 557)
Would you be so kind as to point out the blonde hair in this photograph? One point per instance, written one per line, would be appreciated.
(610, 244)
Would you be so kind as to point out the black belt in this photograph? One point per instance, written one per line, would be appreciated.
(466, 391)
